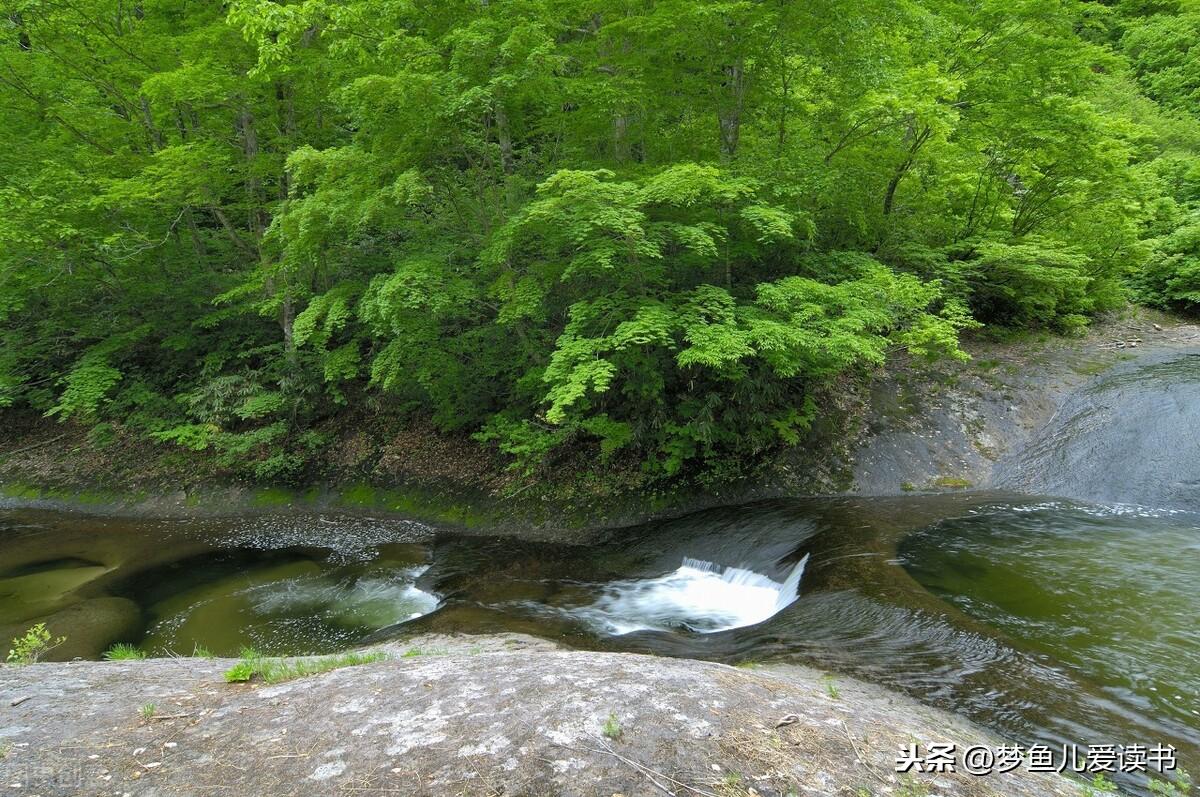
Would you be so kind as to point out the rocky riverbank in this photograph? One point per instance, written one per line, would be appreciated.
(498, 715)
(983, 424)
(944, 428)
(511, 715)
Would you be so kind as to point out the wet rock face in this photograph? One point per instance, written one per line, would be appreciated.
(474, 716)
(1131, 436)
(1090, 420)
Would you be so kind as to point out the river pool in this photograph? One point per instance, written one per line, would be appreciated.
(1044, 619)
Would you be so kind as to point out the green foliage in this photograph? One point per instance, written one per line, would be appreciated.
(911, 787)
(240, 672)
(123, 651)
(1171, 278)
(952, 483)
(148, 710)
(1099, 786)
(31, 646)
(1032, 283)
(278, 670)
(87, 387)
(647, 236)
(1180, 785)
(273, 671)
(529, 443)
(612, 727)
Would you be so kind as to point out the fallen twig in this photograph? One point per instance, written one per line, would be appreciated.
(54, 439)
(859, 756)
(651, 774)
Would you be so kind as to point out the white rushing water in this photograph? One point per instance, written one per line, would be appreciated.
(374, 602)
(293, 607)
(699, 596)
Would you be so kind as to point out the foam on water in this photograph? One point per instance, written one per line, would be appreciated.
(369, 601)
(293, 608)
(699, 596)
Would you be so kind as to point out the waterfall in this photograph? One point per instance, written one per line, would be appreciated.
(699, 596)
(791, 585)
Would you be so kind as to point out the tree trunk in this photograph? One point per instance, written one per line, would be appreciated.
(152, 132)
(890, 197)
(259, 222)
(287, 113)
(729, 113)
(621, 138)
(254, 194)
(503, 136)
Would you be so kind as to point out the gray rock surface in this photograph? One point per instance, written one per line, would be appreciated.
(1064, 420)
(503, 715)
(1130, 436)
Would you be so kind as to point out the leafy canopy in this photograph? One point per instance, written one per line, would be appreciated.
(655, 232)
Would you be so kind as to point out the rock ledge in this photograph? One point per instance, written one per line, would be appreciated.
(496, 715)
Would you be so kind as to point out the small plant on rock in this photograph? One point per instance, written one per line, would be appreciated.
(35, 643)
(276, 670)
(413, 653)
(732, 785)
(241, 672)
(1179, 786)
(612, 727)
(148, 710)
(911, 787)
(123, 651)
(1100, 785)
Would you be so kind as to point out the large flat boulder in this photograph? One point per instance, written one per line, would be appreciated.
(473, 716)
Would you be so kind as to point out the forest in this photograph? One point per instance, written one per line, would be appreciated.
(649, 233)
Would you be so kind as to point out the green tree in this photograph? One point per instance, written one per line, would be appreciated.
(653, 231)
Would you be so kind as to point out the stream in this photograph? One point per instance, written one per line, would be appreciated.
(1046, 620)
(1056, 620)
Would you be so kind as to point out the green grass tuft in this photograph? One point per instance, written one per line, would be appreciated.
(240, 672)
(952, 483)
(413, 653)
(123, 651)
(273, 670)
(1180, 785)
(612, 727)
(911, 787)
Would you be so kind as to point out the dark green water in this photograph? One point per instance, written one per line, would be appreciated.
(1045, 620)
(1107, 596)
